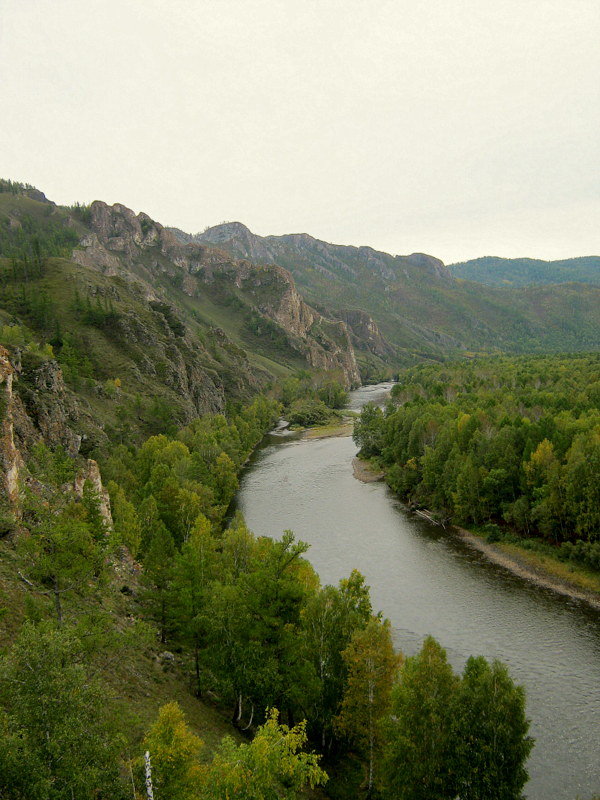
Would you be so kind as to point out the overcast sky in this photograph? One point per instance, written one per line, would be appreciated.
(459, 128)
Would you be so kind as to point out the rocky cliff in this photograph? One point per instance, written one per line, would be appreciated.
(36, 406)
(420, 309)
(136, 248)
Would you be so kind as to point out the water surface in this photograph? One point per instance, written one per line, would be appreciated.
(428, 582)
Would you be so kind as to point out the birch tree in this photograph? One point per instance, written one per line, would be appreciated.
(372, 665)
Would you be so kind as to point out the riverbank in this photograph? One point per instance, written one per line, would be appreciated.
(542, 569)
(343, 428)
(363, 471)
(563, 578)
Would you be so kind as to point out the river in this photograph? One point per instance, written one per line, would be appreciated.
(426, 581)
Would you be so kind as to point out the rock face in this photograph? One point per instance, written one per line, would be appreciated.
(45, 409)
(365, 332)
(323, 256)
(136, 247)
(91, 474)
(11, 461)
(46, 414)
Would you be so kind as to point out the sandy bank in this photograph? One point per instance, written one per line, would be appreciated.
(520, 565)
(364, 472)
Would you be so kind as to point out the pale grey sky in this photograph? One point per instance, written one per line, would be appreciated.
(456, 127)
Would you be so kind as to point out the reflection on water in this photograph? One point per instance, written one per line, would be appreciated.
(426, 581)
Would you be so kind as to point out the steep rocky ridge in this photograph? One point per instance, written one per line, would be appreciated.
(36, 406)
(419, 307)
(121, 243)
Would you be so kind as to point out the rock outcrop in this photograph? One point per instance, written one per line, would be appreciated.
(365, 332)
(139, 249)
(46, 415)
(11, 461)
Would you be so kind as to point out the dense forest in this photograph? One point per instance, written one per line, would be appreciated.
(508, 444)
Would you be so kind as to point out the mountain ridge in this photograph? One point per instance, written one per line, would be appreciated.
(420, 308)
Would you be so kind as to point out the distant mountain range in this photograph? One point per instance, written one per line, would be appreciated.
(419, 307)
(495, 271)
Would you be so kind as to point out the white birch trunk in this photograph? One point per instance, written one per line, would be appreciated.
(149, 792)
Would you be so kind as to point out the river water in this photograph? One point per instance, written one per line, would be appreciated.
(428, 582)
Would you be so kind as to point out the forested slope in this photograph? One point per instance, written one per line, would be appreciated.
(512, 442)
(135, 613)
(515, 272)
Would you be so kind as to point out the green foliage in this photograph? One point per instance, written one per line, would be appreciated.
(271, 767)
(330, 619)
(62, 553)
(33, 239)
(371, 663)
(127, 525)
(451, 736)
(333, 394)
(52, 467)
(528, 271)
(418, 757)
(368, 430)
(170, 316)
(15, 187)
(82, 212)
(174, 752)
(22, 337)
(491, 729)
(61, 737)
(308, 412)
(497, 441)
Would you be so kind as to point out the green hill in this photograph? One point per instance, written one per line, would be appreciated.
(516, 272)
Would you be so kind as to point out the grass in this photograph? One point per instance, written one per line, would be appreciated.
(567, 571)
(330, 429)
(541, 558)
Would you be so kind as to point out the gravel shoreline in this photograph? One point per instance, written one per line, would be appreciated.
(524, 569)
(512, 562)
(363, 472)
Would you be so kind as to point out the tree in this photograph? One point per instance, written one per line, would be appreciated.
(329, 619)
(174, 752)
(418, 760)
(449, 736)
(194, 570)
(369, 430)
(128, 529)
(60, 725)
(158, 577)
(59, 552)
(490, 730)
(372, 665)
(271, 766)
